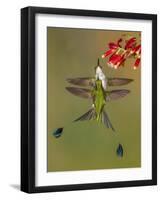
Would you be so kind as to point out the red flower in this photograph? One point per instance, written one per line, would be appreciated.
(119, 54)
(130, 43)
(113, 47)
(122, 60)
(137, 53)
(137, 62)
(137, 49)
(114, 59)
(117, 58)
(107, 53)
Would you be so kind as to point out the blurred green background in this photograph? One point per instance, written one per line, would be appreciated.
(87, 145)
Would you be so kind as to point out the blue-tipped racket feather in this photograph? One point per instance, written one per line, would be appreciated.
(119, 151)
(58, 132)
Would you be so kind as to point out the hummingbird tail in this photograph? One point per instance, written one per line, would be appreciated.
(106, 120)
(90, 114)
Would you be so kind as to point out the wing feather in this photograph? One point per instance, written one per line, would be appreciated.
(86, 81)
(89, 81)
(80, 92)
(118, 81)
(116, 94)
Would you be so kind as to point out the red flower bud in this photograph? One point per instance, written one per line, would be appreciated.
(137, 62)
(130, 43)
(112, 45)
(115, 58)
(107, 53)
(137, 49)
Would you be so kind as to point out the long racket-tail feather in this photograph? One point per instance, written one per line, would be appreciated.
(90, 114)
(106, 121)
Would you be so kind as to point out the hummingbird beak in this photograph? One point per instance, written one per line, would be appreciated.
(98, 65)
(98, 62)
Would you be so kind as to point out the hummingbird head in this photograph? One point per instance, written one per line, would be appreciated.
(98, 70)
(98, 65)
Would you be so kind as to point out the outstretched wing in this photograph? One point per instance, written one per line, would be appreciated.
(86, 81)
(89, 81)
(80, 92)
(118, 81)
(116, 94)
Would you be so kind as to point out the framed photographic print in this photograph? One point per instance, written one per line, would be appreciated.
(88, 99)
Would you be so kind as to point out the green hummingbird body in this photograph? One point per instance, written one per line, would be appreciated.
(99, 94)
(99, 99)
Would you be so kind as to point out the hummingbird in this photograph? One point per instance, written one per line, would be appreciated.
(98, 93)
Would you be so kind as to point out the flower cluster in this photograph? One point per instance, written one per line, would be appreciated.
(118, 53)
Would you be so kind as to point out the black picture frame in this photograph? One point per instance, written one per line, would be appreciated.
(28, 98)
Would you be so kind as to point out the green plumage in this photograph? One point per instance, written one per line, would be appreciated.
(99, 94)
(99, 99)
